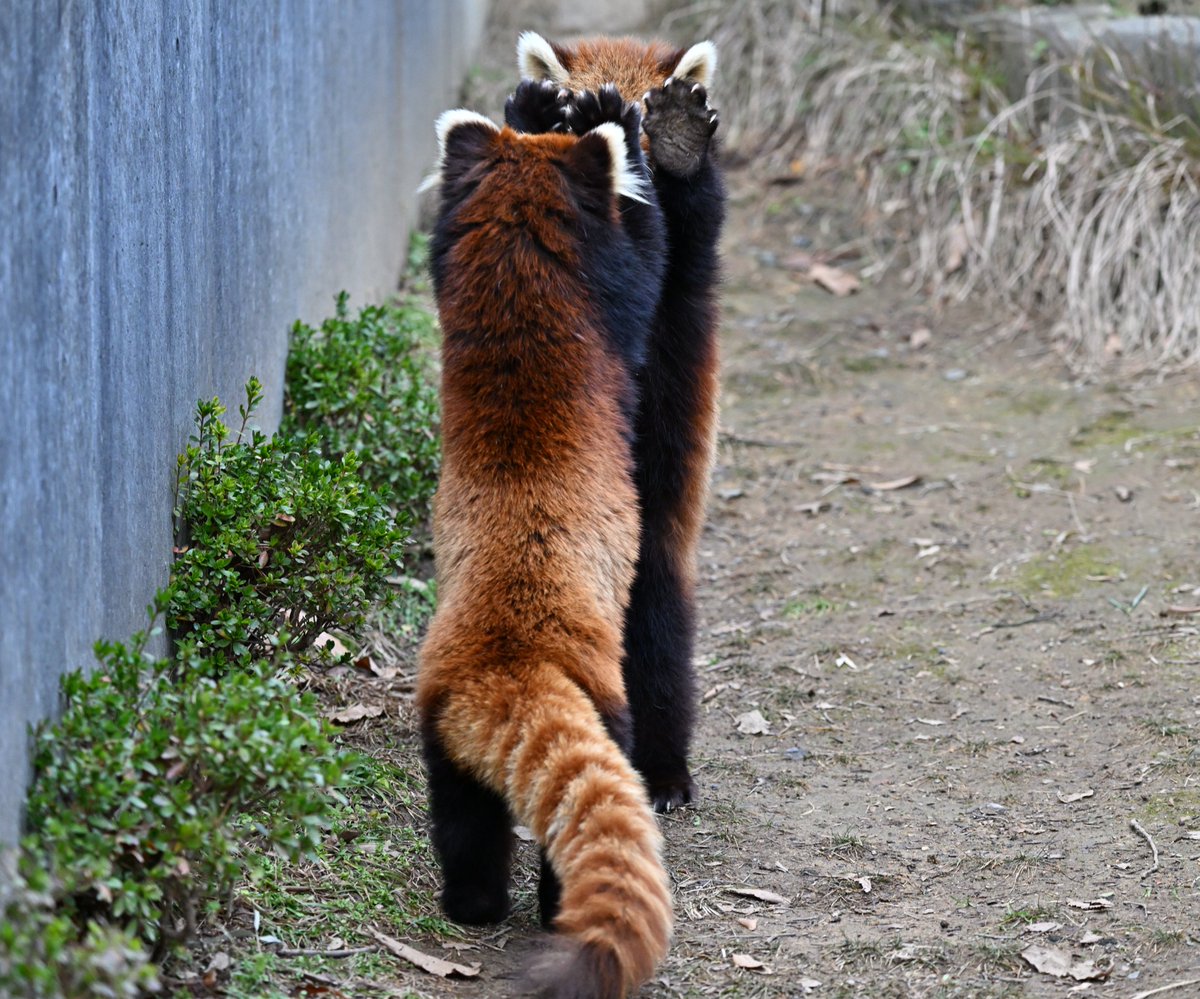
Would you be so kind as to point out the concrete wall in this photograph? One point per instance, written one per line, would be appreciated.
(179, 181)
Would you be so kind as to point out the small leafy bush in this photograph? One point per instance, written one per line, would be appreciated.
(283, 542)
(362, 384)
(43, 955)
(157, 770)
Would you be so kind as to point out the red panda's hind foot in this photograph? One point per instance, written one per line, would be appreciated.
(680, 125)
(670, 792)
(475, 904)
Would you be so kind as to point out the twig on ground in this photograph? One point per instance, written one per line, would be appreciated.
(1165, 988)
(317, 952)
(1137, 828)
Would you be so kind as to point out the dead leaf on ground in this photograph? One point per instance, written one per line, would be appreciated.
(750, 963)
(354, 712)
(753, 723)
(920, 337)
(864, 883)
(1056, 962)
(1067, 799)
(808, 984)
(834, 280)
(1095, 903)
(813, 508)
(332, 644)
(426, 962)
(762, 894)
(1047, 927)
(748, 922)
(892, 484)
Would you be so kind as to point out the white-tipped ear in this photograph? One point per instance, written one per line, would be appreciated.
(625, 181)
(698, 65)
(537, 60)
(447, 123)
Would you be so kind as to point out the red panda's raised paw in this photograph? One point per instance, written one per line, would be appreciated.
(680, 125)
(536, 107)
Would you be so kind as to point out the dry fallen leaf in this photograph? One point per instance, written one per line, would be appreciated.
(753, 723)
(808, 984)
(920, 337)
(331, 643)
(1096, 903)
(865, 884)
(426, 962)
(1047, 927)
(1066, 799)
(1056, 962)
(835, 280)
(749, 963)
(759, 893)
(748, 922)
(355, 712)
(901, 483)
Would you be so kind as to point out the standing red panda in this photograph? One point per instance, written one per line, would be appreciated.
(547, 263)
(676, 420)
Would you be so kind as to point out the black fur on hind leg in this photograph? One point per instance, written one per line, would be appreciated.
(473, 838)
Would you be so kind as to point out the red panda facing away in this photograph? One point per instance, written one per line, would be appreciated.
(546, 259)
(676, 420)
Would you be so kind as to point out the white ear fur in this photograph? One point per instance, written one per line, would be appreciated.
(625, 181)
(698, 65)
(447, 122)
(536, 59)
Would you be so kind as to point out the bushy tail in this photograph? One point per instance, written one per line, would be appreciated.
(565, 779)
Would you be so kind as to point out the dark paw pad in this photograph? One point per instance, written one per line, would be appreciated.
(680, 125)
(537, 106)
(474, 906)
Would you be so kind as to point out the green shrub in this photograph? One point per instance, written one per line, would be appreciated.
(363, 385)
(155, 772)
(43, 955)
(280, 542)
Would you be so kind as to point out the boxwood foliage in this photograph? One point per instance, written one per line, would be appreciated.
(363, 384)
(281, 542)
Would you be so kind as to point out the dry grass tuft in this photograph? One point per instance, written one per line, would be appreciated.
(1079, 215)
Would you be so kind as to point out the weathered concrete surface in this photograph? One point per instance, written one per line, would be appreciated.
(178, 182)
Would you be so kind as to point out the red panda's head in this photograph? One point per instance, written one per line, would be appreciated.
(635, 67)
(483, 164)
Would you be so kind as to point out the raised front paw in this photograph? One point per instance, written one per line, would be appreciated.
(537, 106)
(680, 125)
(594, 107)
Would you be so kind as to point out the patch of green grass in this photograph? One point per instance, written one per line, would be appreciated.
(1026, 915)
(1065, 572)
(803, 608)
(1034, 401)
(1166, 728)
(866, 364)
(1112, 429)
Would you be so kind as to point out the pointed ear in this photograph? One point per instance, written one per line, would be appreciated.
(464, 138)
(698, 64)
(601, 160)
(537, 59)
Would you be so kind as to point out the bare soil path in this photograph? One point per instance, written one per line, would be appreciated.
(946, 654)
(948, 649)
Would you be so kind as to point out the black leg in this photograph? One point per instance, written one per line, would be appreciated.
(659, 680)
(472, 835)
(549, 892)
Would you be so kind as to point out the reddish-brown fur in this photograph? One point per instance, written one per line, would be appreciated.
(677, 421)
(536, 536)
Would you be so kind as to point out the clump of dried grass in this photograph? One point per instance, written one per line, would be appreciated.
(1076, 211)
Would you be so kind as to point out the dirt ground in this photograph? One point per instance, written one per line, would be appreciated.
(948, 650)
(955, 586)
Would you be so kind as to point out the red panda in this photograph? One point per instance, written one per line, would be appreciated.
(676, 422)
(546, 259)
